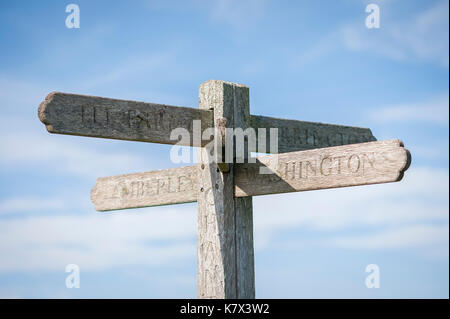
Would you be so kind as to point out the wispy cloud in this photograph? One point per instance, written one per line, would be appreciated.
(435, 110)
(18, 95)
(321, 48)
(423, 36)
(135, 67)
(29, 204)
(420, 198)
(414, 213)
(433, 150)
(238, 13)
(401, 237)
(65, 156)
(98, 241)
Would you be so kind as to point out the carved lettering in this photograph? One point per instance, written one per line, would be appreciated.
(350, 165)
(94, 115)
(310, 168)
(139, 189)
(354, 163)
(328, 171)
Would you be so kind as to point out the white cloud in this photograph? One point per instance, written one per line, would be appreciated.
(161, 235)
(401, 237)
(63, 155)
(435, 110)
(423, 36)
(435, 150)
(97, 241)
(29, 204)
(238, 13)
(420, 198)
(12, 95)
(137, 66)
(321, 48)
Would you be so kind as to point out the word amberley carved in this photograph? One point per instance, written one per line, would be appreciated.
(298, 171)
(312, 156)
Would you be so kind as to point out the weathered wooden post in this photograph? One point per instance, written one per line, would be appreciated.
(315, 156)
(225, 223)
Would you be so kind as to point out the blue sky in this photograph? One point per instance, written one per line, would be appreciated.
(306, 60)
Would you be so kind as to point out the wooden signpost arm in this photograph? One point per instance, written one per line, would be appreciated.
(331, 167)
(93, 116)
(295, 135)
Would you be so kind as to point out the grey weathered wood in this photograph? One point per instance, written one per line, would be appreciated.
(168, 186)
(380, 162)
(245, 261)
(340, 166)
(296, 135)
(83, 115)
(92, 116)
(225, 236)
(225, 267)
(216, 263)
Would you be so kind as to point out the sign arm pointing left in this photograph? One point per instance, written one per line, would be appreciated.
(92, 116)
(83, 115)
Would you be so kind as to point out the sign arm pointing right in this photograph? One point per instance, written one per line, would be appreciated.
(339, 166)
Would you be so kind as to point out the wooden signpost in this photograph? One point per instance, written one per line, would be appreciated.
(312, 156)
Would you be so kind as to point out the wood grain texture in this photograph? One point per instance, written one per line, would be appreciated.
(243, 207)
(216, 255)
(296, 135)
(225, 223)
(83, 115)
(340, 166)
(163, 187)
(92, 116)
